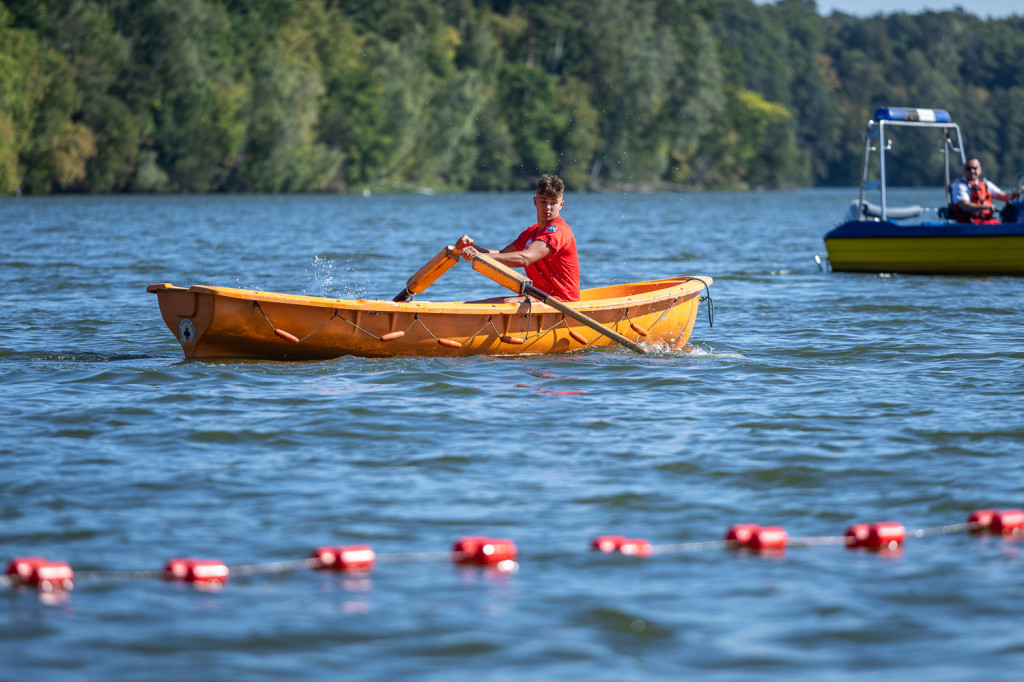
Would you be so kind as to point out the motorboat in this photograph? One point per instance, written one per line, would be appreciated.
(877, 236)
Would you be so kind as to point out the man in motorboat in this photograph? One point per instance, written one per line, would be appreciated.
(972, 195)
(547, 249)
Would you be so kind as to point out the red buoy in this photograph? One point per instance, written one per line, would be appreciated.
(636, 547)
(742, 533)
(346, 557)
(465, 548)
(1008, 522)
(391, 336)
(22, 567)
(638, 329)
(39, 572)
(450, 343)
(1002, 521)
(887, 535)
(577, 337)
(758, 538)
(196, 570)
(514, 340)
(981, 519)
(495, 552)
(483, 551)
(857, 534)
(607, 543)
(769, 537)
(53, 575)
(621, 544)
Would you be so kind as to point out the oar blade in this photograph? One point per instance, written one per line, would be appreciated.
(429, 273)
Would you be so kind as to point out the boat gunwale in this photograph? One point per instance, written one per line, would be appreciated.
(673, 287)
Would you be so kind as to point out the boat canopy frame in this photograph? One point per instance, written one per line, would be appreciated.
(875, 140)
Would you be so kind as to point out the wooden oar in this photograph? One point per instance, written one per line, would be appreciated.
(510, 279)
(428, 274)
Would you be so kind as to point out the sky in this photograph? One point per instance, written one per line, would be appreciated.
(998, 9)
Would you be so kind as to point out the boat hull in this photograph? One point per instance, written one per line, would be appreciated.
(223, 322)
(927, 248)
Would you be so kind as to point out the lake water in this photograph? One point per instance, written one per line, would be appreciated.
(816, 400)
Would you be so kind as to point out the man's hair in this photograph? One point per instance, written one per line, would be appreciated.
(550, 186)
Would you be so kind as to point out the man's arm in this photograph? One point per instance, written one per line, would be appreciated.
(510, 255)
(515, 258)
(971, 208)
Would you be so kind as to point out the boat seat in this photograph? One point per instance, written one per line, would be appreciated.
(893, 212)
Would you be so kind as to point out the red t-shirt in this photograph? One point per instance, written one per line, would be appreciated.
(558, 273)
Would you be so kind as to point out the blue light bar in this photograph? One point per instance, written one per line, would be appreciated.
(907, 114)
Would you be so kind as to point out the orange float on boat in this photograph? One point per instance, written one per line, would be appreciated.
(223, 322)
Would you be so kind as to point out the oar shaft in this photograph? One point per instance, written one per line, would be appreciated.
(510, 279)
(583, 319)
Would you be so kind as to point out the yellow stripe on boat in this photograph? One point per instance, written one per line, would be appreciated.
(991, 255)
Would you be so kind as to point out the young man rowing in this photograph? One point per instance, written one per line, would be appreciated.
(547, 249)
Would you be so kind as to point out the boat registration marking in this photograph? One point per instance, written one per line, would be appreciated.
(186, 332)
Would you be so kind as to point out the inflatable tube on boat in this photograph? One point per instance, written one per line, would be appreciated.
(875, 211)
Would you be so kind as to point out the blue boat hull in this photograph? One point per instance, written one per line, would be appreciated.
(927, 248)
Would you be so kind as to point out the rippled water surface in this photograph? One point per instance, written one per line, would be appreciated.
(815, 401)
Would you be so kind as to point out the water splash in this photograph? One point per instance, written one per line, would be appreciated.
(324, 279)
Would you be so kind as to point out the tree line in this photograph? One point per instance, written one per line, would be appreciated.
(194, 96)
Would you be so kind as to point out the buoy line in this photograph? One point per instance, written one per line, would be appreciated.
(58, 578)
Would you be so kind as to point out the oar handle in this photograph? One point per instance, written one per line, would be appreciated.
(510, 279)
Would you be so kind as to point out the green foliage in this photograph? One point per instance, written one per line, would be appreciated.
(284, 154)
(339, 95)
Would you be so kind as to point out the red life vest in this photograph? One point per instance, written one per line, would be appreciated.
(979, 195)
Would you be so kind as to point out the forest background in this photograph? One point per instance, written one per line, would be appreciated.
(198, 96)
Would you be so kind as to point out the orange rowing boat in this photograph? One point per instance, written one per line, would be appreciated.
(221, 322)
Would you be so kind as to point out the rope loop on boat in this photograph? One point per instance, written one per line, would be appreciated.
(711, 304)
(356, 326)
(640, 331)
(336, 313)
(323, 325)
(573, 334)
(256, 306)
(488, 323)
(280, 332)
(663, 314)
(416, 320)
